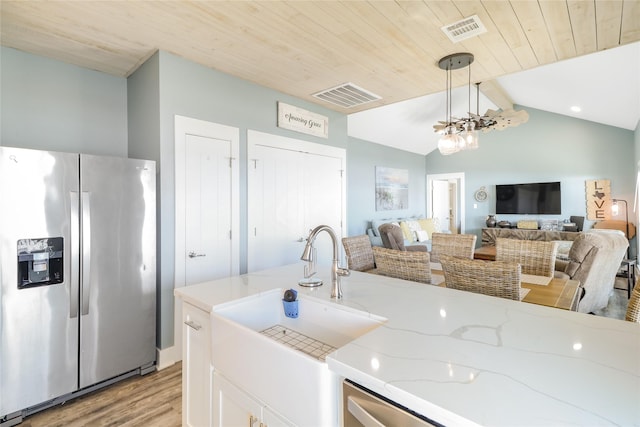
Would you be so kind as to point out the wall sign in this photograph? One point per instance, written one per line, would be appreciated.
(598, 195)
(299, 120)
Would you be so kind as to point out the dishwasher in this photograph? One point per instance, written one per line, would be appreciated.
(362, 407)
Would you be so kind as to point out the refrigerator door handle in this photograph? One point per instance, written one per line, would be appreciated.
(74, 288)
(86, 251)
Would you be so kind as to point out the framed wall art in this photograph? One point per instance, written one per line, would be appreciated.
(392, 188)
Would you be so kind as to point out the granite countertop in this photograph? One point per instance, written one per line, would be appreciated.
(466, 359)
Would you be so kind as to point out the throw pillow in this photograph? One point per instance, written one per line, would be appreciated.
(406, 231)
(413, 227)
(422, 235)
(428, 225)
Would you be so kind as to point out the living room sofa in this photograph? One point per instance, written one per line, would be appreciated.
(416, 231)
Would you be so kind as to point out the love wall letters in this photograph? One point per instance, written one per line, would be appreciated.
(598, 199)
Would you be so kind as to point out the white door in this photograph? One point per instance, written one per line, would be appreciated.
(293, 186)
(441, 203)
(207, 201)
(207, 209)
(322, 176)
(445, 199)
(453, 207)
(276, 206)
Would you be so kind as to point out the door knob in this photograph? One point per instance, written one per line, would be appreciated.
(193, 254)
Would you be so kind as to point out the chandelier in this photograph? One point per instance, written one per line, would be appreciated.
(462, 133)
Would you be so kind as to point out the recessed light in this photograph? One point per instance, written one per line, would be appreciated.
(576, 109)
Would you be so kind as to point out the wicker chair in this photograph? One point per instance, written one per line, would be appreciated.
(494, 278)
(535, 257)
(407, 265)
(633, 309)
(458, 245)
(359, 253)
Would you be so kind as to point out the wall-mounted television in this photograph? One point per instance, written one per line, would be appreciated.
(540, 198)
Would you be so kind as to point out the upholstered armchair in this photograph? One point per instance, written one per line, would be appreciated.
(393, 238)
(594, 260)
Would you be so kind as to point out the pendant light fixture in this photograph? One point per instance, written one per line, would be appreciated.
(452, 142)
(462, 133)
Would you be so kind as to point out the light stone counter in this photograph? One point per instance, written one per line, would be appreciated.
(466, 359)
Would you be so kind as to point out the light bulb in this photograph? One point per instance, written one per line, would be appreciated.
(470, 136)
(450, 142)
(614, 209)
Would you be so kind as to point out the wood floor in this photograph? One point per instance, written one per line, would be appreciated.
(151, 400)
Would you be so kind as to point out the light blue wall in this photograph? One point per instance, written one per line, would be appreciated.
(362, 159)
(549, 147)
(188, 89)
(49, 105)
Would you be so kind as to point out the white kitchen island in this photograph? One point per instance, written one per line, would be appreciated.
(466, 359)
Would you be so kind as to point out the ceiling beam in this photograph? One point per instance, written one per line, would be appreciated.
(496, 94)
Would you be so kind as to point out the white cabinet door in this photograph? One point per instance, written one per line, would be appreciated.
(273, 419)
(233, 407)
(196, 367)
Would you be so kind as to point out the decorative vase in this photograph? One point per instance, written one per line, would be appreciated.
(491, 221)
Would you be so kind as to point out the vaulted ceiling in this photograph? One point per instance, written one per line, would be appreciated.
(390, 48)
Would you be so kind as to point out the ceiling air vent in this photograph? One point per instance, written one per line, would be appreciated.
(347, 95)
(464, 29)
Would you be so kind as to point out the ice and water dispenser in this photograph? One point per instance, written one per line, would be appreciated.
(40, 262)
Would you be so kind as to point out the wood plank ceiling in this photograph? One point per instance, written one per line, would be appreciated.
(390, 48)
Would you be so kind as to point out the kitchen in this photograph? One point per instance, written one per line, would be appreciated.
(80, 110)
(456, 358)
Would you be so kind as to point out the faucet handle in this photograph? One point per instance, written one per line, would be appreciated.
(343, 272)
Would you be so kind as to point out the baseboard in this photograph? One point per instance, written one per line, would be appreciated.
(167, 357)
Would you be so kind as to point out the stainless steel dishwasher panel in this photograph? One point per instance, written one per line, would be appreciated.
(365, 409)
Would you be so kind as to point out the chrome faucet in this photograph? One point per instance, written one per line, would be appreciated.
(336, 270)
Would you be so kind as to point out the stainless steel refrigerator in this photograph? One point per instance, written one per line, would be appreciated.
(77, 275)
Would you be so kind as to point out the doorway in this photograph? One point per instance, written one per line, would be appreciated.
(445, 200)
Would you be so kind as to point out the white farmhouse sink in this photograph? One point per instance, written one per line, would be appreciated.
(293, 381)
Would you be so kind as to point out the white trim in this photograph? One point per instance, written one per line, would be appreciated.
(167, 357)
(255, 138)
(459, 177)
